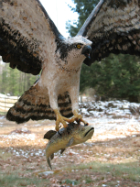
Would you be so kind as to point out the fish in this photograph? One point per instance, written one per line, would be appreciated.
(74, 134)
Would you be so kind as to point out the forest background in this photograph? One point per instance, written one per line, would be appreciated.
(117, 76)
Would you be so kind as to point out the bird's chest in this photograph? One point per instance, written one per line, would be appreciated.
(60, 76)
(67, 73)
(66, 79)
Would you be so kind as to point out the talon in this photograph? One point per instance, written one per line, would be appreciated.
(57, 127)
(86, 124)
(78, 121)
(60, 119)
(77, 117)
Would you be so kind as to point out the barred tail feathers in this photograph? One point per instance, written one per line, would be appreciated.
(34, 104)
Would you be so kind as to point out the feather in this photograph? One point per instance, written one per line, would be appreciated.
(23, 27)
(30, 42)
(113, 27)
(33, 104)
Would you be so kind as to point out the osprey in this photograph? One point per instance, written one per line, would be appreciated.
(30, 42)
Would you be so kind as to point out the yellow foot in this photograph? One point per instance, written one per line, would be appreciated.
(61, 119)
(77, 117)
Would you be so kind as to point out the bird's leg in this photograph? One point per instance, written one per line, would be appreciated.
(74, 94)
(61, 119)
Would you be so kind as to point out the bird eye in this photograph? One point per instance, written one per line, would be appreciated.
(78, 46)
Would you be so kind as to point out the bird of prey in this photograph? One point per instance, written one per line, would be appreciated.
(30, 42)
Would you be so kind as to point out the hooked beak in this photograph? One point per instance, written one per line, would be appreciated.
(87, 51)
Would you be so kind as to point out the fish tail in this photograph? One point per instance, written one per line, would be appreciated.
(49, 163)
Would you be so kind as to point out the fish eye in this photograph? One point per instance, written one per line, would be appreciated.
(78, 46)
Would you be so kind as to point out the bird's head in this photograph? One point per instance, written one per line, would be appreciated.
(73, 51)
(80, 48)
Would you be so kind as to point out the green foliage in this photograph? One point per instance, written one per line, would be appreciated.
(72, 182)
(14, 179)
(117, 76)
(14, 81)
(128, 171)
(83, 8)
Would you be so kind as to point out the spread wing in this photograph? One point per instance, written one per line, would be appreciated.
(113, 27)
(27, 34)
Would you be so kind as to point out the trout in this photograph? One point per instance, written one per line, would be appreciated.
(66, 137)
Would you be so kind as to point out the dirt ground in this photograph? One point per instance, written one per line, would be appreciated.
(96, 163)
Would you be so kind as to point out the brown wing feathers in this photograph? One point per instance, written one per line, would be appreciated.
(113, 27)
(24, 29)
(14, 49)
(33, 104)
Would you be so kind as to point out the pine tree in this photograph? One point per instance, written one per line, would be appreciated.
(83, 8)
